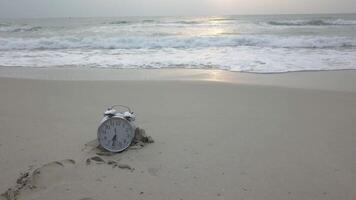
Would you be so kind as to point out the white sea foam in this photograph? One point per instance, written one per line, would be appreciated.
(247, 59)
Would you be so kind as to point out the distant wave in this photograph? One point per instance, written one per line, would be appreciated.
(148, 21)
(124, 22)
(312, 22)
(188, 22)
(98, 42)
(18, 28)
(29, 29)
(120, 22)
(4, 24)
(315, 22)
(222, 19)
(202, 21)
(184, 22)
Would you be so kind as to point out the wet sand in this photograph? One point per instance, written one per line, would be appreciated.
(213, 139)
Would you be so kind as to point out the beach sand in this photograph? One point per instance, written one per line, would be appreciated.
(213, 139)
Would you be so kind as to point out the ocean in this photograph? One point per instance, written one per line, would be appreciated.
(259, 44)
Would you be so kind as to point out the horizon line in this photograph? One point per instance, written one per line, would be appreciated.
(202, 15)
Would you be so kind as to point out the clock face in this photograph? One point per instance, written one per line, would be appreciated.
(115, 134)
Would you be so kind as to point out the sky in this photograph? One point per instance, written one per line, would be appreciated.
(102, 8)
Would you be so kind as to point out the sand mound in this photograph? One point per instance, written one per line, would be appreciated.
(140, 140)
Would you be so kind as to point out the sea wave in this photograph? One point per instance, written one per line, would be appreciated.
(316, 22)
(128, 22)
(170, 22)
(222, 19)
(183, 42)
(188, 22)
(237, 43)
(8, 28)
(4, 24)
(120, 22)
(148, 21)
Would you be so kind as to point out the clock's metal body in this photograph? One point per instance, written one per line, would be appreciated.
(116, 130)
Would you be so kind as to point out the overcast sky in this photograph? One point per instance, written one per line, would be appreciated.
(95, 8)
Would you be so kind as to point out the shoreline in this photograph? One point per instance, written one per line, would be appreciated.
(336, 80)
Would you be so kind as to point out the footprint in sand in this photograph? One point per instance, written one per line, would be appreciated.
(40, 178)
(52, 172)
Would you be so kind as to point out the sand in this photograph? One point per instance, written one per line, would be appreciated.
(213, 139)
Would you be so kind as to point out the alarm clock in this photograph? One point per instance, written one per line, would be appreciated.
(116, 130)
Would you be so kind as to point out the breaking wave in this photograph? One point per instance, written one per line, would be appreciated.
(120, 22)
(318, 22)
(18, 28)
(97, 42)
(189, 22)
(4, 24)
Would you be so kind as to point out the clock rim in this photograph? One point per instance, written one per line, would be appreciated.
(118, 117)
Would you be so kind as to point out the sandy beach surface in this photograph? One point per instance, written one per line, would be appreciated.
(218, 135)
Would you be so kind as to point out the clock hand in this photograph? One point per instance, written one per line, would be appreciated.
(113, 140)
